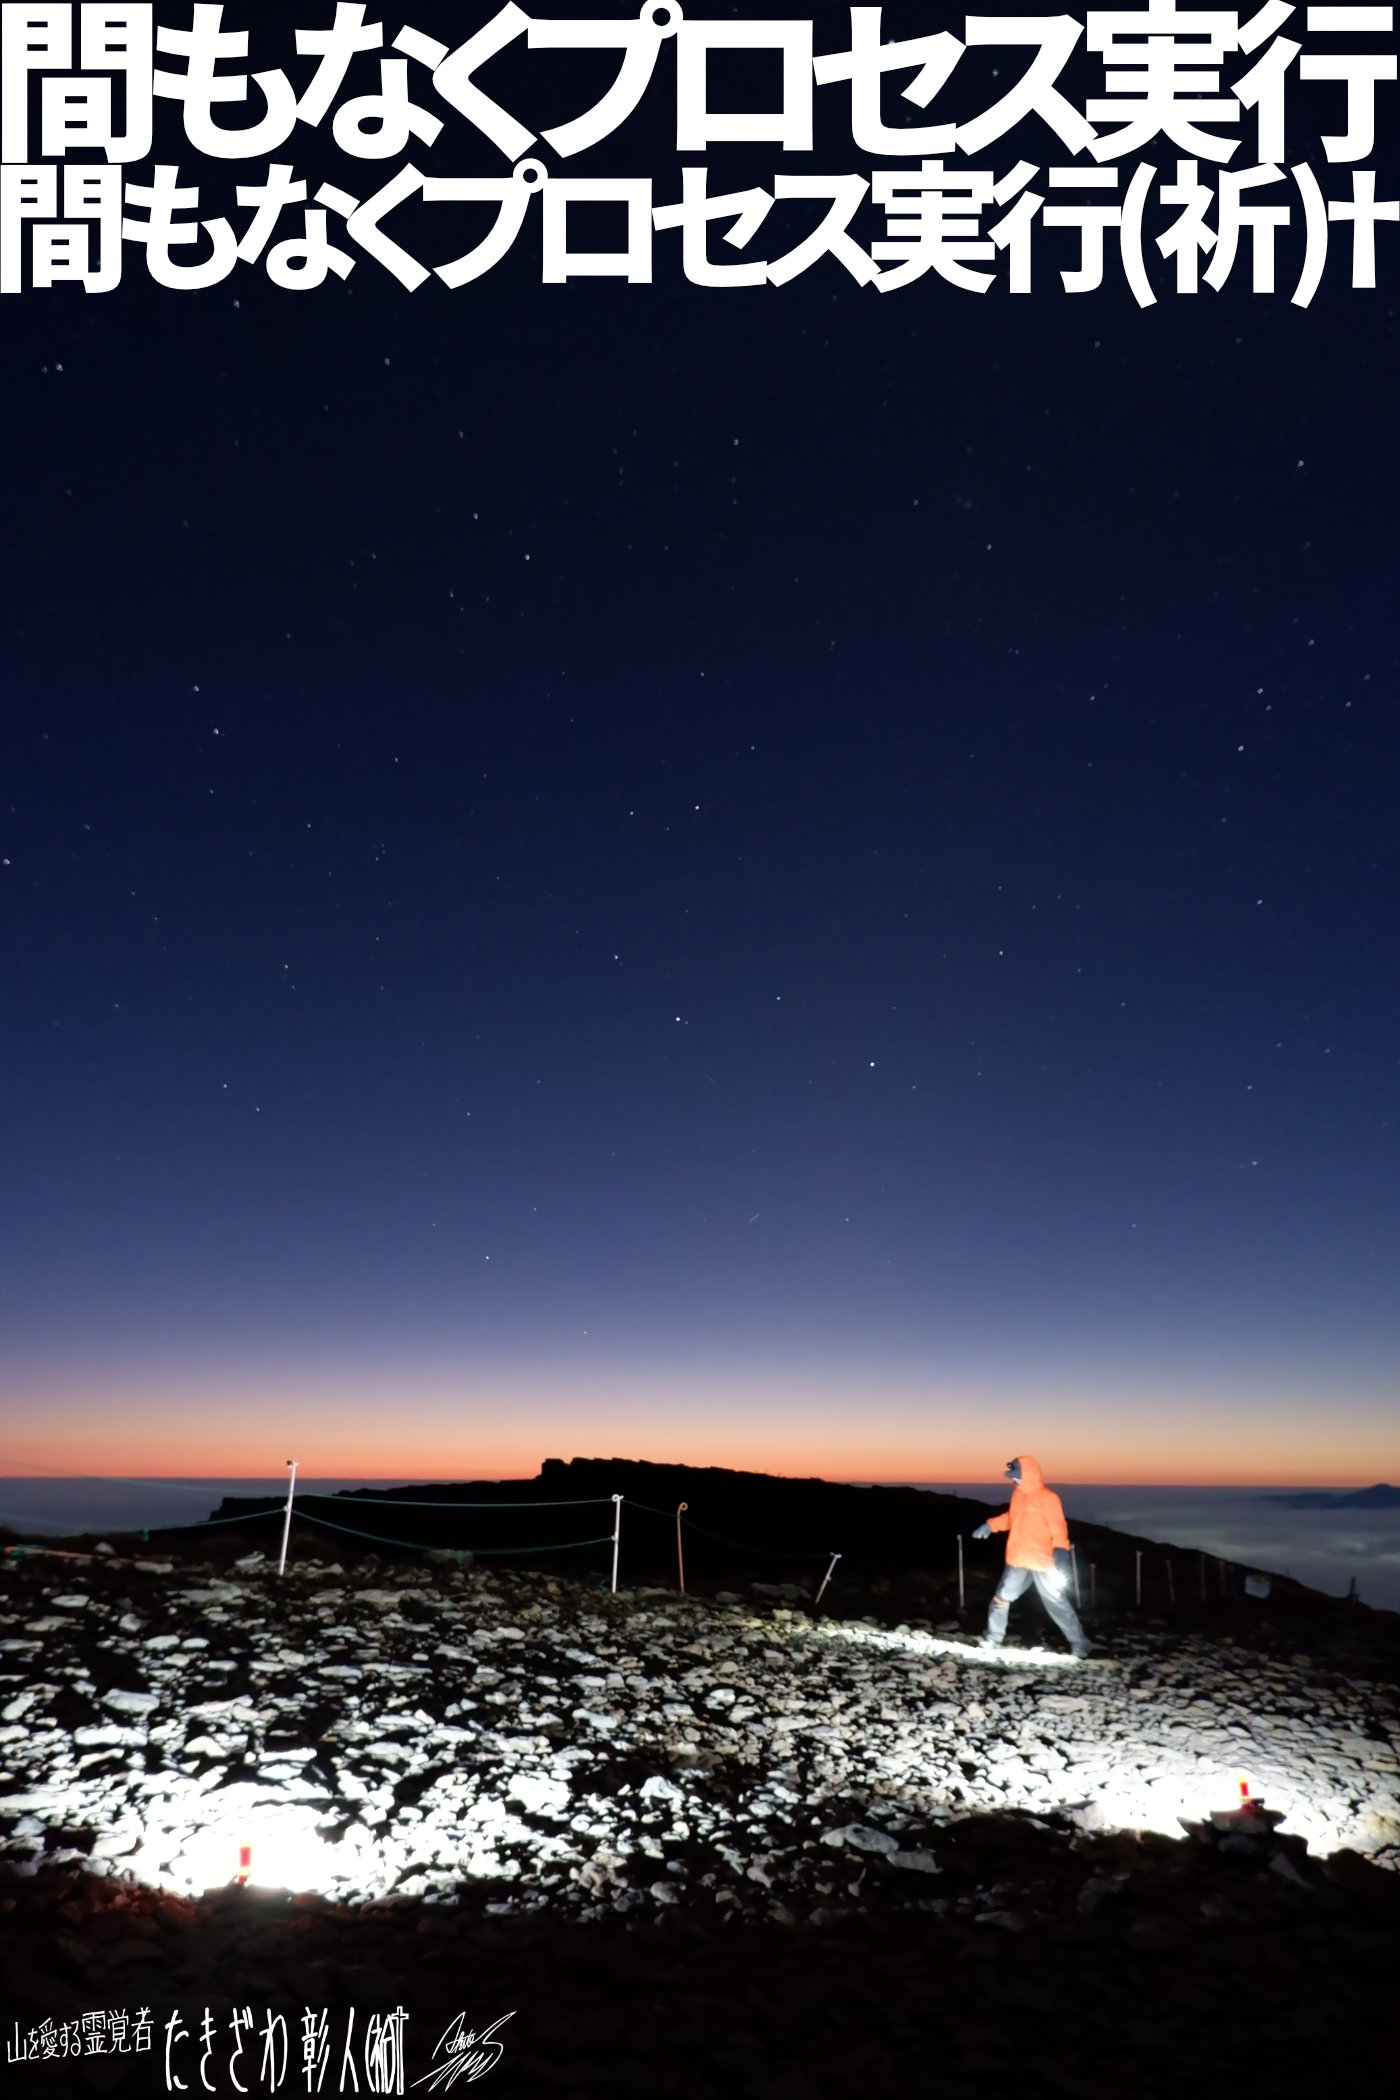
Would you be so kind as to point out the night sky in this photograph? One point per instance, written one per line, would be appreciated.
(792, 878)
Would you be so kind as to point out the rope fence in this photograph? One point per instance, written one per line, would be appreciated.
(199, 1523)
(412, 1502)
(1161, 1590)
(477, 1552)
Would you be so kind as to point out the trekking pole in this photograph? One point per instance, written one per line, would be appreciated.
(680, 1555)
(617, 1534)
(962, 1593)
(1074, 1565)
(287, 1520)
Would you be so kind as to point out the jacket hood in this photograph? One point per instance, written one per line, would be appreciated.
(1031, 1475)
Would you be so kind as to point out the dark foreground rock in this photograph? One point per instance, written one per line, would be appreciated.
(1080, 1966)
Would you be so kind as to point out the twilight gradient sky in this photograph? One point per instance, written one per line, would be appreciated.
(799, 880)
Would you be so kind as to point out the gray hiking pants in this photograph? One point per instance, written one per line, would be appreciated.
(1056, 1601)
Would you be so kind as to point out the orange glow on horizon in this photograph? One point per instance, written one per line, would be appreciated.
(137, 1461)
(368, 1423)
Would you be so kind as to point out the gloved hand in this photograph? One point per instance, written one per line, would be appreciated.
(983, 1531)
(1059, 1575)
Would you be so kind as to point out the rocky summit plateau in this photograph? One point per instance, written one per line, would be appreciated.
(727, 1841)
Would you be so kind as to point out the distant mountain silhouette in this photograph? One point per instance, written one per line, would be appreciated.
(1378, 1497)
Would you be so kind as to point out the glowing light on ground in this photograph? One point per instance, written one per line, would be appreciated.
(358, 1741)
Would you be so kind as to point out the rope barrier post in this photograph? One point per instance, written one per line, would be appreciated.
(617, 1534)
(287, 1519)
(1074, 1564)
(962, 1591)
(1138, 1576)
(825, 1580)
(681, 1508)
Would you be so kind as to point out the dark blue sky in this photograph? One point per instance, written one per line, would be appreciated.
(595, 840)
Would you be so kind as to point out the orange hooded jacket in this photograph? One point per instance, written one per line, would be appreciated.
(1035, 1521)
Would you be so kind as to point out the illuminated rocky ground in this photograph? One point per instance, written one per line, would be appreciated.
(694, 1848)
(400, 1732)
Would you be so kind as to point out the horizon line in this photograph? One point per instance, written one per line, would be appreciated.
(38, 1476)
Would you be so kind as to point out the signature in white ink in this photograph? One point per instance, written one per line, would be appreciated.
(465, 2054)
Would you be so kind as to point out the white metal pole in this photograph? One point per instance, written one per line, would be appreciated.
(962, 1593)
(681, 1508)
(825, 1580)
(287, 1519)
(617, 1534)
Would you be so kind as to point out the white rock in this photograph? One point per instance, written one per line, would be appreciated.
(131, 1702)
(860, 1837)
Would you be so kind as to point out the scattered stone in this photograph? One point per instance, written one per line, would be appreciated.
(861, 1839)
(131, 1702)
(404, 1735)
(1237, 1846)
(1283, 1866)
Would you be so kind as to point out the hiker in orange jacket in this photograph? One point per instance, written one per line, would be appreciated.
(1037, 1551)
